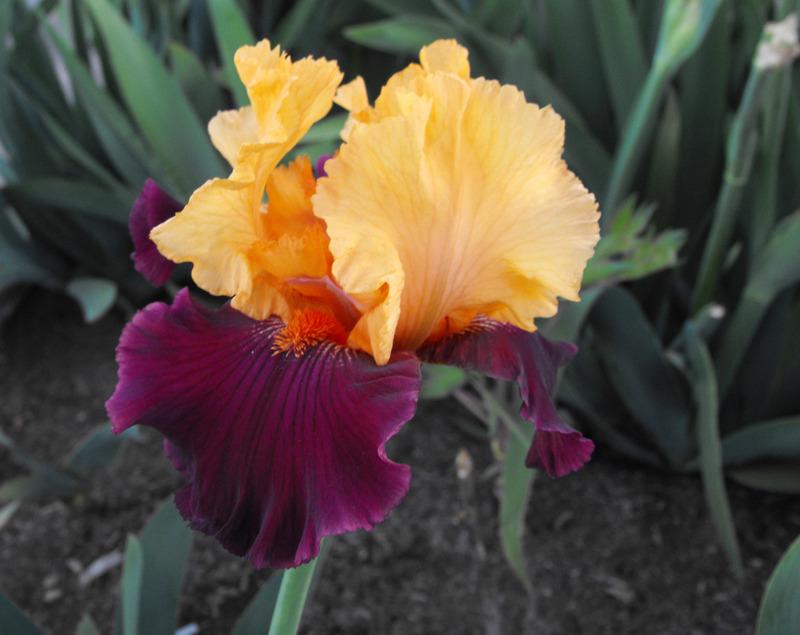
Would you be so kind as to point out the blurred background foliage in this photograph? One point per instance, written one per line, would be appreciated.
(690, 351)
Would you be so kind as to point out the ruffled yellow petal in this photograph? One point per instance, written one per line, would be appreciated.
(353, 96)
(453, 200)
(231, 129)
(289, 191)
(214, 232)
(295, 243)
(248, 251)
(286, 98)
(390, 101)
(239, 247)
(447, 56)
(267, 74)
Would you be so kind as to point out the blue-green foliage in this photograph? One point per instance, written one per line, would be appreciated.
(98, 95)
(662, 105)
(150, 588)
(780, 612)
(669, 107)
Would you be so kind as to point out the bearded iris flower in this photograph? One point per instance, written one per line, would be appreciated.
(444, 225)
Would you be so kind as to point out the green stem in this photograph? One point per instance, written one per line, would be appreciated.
(778, 92)
(706, 323)
(471, 404)
(637, 133)
(292, 599)
(497, 409)
(710, 449)
(738, 162)
(684, 24)
(741, 329)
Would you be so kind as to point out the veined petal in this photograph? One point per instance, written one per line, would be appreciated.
(239, 247)
(447, 56)
(266, 73)
(286, 99)
(231, 129)
(367, 259)
(460, 187)
(505, 352)
(243, 250)
(153, 207)
(353, 98)
(279, 448)
(214, 232)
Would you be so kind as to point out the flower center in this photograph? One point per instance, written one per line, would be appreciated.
(307, 328)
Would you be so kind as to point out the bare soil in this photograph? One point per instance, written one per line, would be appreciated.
(614, 548)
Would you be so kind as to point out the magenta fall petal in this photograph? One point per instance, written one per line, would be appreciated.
(278, 450)
(153, 207)
(506, 352)
(319, 165)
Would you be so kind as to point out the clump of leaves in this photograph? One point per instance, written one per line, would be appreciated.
(632, 248)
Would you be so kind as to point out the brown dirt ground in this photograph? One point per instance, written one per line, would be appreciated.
(612, 549)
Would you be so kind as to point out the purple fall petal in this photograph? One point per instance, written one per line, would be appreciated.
(506, 352)
(153, 207)
(319, 165)
(278, 450)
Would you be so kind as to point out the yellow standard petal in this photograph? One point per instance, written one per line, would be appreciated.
(353, 98)
(447, 56)
(451, 199)
(246, 252)
(240, 247)
(249, 252)
(286, 99)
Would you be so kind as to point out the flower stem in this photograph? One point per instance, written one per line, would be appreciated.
(497, 409)
(634, 141)
(292, 599)
(684, 24)
(740, 151)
